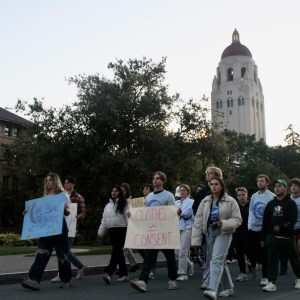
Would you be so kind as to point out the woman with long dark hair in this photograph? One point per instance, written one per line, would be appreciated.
(217, 217)
(114, 221)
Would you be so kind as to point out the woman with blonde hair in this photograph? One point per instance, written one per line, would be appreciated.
(52, 186)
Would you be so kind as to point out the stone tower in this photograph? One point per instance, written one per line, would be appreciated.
(237, 101)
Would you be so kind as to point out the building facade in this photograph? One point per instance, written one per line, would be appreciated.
(237, 101)
(10, 203)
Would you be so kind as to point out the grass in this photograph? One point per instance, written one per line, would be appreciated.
(92, 250)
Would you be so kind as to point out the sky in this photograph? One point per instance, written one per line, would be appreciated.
(45, 42)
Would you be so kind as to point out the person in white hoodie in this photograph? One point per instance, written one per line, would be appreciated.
(114, 221)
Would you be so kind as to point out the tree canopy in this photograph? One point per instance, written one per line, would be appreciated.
(123, 129)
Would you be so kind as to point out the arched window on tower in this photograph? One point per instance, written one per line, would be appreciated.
(241, 101)
(228, 103)
(256, 104)
(217, 104)
(243, 72)
(221, 104)
(230, 74)
(252, 101)
(231, 102)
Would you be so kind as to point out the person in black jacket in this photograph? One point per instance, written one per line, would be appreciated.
(279, 218)
(241, 236)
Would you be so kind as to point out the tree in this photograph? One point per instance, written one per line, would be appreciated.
(117, 130)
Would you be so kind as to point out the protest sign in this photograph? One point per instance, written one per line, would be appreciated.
(153, 227)
(137, 202)
(71, 220)
(44, 216)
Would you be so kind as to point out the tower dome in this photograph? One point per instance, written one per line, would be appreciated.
(236, 48)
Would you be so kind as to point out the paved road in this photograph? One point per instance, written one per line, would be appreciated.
(93, 287)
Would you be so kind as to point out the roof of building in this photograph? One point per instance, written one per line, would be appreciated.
(236, 48)
(7, 116)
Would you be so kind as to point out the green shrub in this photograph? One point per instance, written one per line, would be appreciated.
(14, 240)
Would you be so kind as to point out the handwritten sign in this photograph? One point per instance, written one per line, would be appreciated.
(44, 216)
(72, 220)
(154, 227)
(137, 202)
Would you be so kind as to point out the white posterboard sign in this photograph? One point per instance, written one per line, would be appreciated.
(72, 220)
(153, 227)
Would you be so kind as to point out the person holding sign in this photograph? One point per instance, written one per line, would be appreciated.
(217, 217)
(114, 221)
(159, 197)
(52, 186)
(186, 220)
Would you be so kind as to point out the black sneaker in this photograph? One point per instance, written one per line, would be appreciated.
(106, 278)
(65, 285)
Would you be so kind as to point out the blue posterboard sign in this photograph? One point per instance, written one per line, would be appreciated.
(44, 216)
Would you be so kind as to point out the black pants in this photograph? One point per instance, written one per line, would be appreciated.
(43, 254)
(242, 247)
(150, 259)
(117, 237)
(258, 253)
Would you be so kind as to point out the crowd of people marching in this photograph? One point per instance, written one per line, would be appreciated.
(263, 233)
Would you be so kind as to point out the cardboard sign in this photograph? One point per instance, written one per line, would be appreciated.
(137, 202)
(154, 227)
(44, 216)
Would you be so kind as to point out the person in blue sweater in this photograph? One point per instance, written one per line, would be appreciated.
(258, 202)
(159, 197)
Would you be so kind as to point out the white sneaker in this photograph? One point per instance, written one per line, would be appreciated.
(172, 285)
(151, 275)
(226, 293)
(210, 294)
(139, 285)
(264, 281)
(297, 282)
(270, 287)
(123, 279)
(80, 272)
(28, 283)
(190, 269)
(56, 279)
(182, 277)
(203, 286)
(242, 277)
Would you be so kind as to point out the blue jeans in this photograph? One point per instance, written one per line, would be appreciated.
(43, 254)
(217, 246)
(72, 257)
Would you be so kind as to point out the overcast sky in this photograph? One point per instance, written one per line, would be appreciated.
(44, 42)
